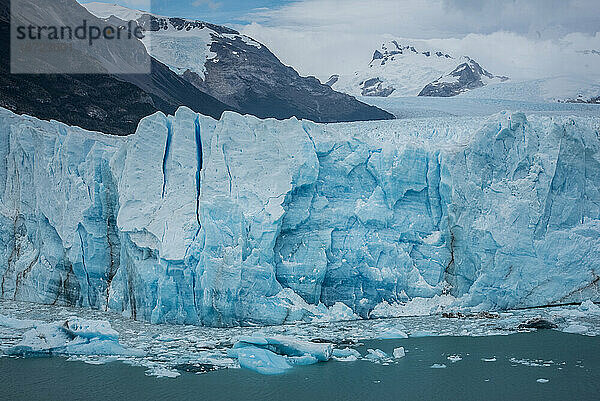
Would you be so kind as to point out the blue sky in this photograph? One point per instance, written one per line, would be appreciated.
(216, 11)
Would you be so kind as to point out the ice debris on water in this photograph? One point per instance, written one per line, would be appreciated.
(438, 366)
(542, 380)
(200, 349)
(73, 336)
(589, 306)
(454, 358)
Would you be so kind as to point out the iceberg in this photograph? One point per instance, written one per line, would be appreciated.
(275, 355)
(242, 221)
(377, 356)
(399, 353)
(73, 336)
(345, 354)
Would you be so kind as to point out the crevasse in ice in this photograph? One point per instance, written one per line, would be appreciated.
(245, 221)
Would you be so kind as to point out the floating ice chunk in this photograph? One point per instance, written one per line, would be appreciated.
(399, 353)
(349, 358)
(345, 353)
(13, 323)
(376, 355)
(302, 360)
(392, 333)
(275, 355)
(288, 346)
(159, 371)
(454, 358)
(73, 336)
(489, 359)
(438, 366)
(260, 360)
(100, 329)
(575, 329)
(532, 362)
(542, 380)
(589, 306)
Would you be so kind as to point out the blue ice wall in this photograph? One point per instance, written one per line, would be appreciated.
(246, 221)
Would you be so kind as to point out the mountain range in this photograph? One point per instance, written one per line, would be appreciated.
(114, 103)
(237, 70)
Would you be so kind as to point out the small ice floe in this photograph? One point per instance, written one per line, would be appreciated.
(399, 353)
(589, 306)
(493, 359)
(13, 323)
(454, 358)
(542, 380)
(531, 362)
(159, 371)
(93, 359)
(392, 334)
(377, 356)
(575, 329)
(346, 355)
(438, 366)
(275, 355)
(73, 336)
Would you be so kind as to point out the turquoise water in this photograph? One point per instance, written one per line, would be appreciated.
(572, 371)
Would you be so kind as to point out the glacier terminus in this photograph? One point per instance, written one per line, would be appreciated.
(242, 221)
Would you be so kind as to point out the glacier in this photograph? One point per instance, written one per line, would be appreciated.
(243, 221)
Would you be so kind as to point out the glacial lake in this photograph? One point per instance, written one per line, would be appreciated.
(543, 365)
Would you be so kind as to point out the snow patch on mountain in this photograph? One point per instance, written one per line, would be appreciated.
(181, 44)
(400, 69)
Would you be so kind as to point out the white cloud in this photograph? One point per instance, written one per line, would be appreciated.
(213, 5)
(520, 38)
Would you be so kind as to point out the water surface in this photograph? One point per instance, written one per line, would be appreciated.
(491, 368)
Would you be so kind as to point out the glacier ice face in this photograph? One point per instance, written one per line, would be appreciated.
(245, 221)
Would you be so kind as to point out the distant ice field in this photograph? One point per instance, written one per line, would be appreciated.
(469, 105)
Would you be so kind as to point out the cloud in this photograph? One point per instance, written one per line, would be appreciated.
(437, 18)
(521, 38)
(213, 5)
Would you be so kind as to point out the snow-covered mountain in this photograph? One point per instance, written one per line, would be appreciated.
(238, 70)
(468, 75)
(109, 102)
(399, 69)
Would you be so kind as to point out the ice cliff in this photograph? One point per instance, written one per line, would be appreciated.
(245, 221)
